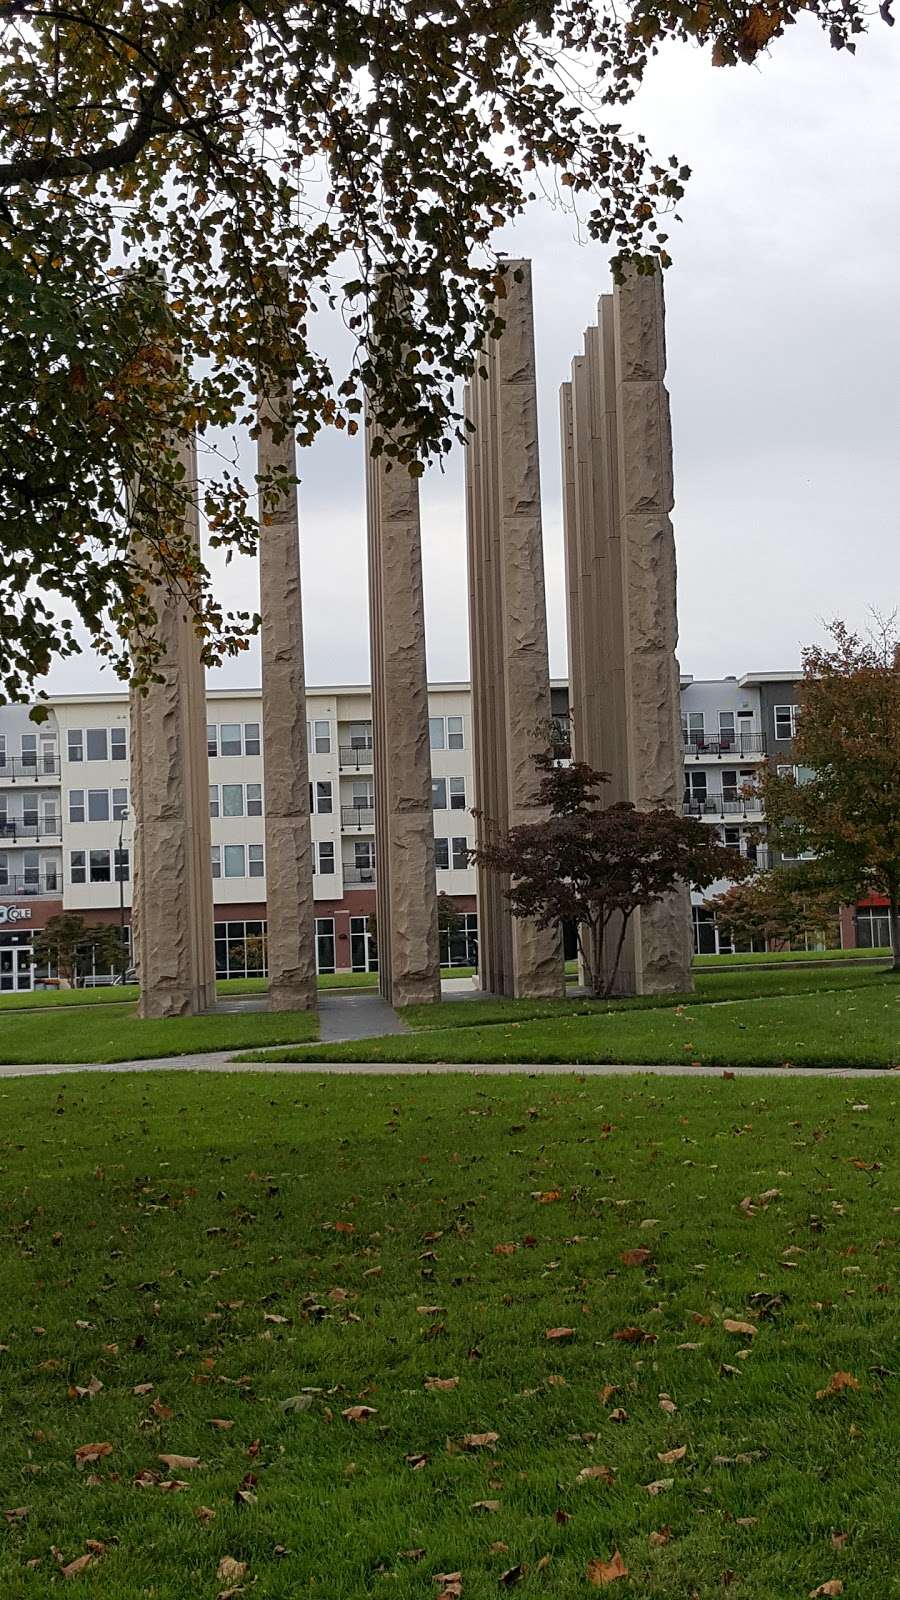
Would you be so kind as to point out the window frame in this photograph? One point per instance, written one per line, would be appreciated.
(232, 851)
(76, 803)
(78, 866)
(456, 797)
(101, 736)
(75, 744)
(442, 854)
(99, 870)
(101, 796)
(236, 728)
(118, 746)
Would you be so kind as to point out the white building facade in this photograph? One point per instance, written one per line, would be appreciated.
(65, 826)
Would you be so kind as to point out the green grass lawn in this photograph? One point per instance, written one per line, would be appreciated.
(750, 957)
(851, 1027)
(114, 1033)
(710, 988)
(233, 1264)
(115, 994)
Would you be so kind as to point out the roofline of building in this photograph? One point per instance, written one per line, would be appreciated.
(751, 678)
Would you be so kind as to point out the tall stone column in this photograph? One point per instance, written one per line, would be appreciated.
(508, 633)
(290, 938)
(621, 590)
(406, 892)
(172, 917)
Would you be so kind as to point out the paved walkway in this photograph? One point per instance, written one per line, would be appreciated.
(223, 1061)
(361, 1014)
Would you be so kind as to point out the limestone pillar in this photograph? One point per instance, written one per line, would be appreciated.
(406, 893)
(621, 592)
(508, 633)
(290, 938)
(172, 918)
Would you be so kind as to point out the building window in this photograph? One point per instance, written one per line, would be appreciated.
(786, 721)
(99, 863)
(212, 739)
(322, 747)
(363, 954)
(442, 855)
(323, 798)
(76, 744)
(251, 738)
(696, 730)
(120, 866)
(230, 739)
(30, 811)
(256, 867)
(254, 800)
(29, 749)
(240, 949)
(325, 944)
(98, 805)
(216, 856)
(731, 838)
(873, 928)
(436, 733)
(119, 804)
(364, 855)
(460, 948)
(97, 744)
(32, 871)
(786, 771)
(232, 800)
(439, 794)
(360, 736)
(76, 805)
(455, 733)
(323, 857)
(726, 729)
(2, 749)
(4, 868)
(214, 799)
(457, 794)
(77, 871)
(460, 854)
(117, 744)
(234, 861)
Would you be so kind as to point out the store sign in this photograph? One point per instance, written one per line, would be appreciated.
(15, 914)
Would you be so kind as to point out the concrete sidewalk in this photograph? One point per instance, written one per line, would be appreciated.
(223, 1061)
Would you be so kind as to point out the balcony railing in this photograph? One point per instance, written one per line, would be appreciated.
(13, 769)
(715, 805)
(14, 831)
(353, 757)
(26, 885)
(362, 877)
(358, 817)
(738, 745)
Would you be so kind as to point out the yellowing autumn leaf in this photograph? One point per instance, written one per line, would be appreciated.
(832, 1587)
(92, 1452)
(605, 1474)
(560, 1333)
(839, 1381)
(668, 1457)
(441, 1383)
(601, 1572)
(181, 1463)
(359, 1413)
(230, 1569)
(480, 1441)
(747, 1330)
(634, 1258)
(659, 1485)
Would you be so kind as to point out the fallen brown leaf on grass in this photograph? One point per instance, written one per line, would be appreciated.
(222, 1423)
(229, 1568)
(416, 1459)
(667, 1457)
(181, 1463)
(173, 1485)
(359, 1413)
(92, 1452)
(838, 1540)
(17, 1514)
(88, 1390)
(605, 1394)
(659, 1485)
(486, 1505)
(667, 1404)
(163, 1412)
(452, 1585)
(635, 1258)
(618, 1415)
(480, 1441)
(441, 1383)
(634, 1336)
(273, 1316)
(545, 1197)
(659, 1536)
(73, 1568)
(204, 1514)
(833, 1586)
(505, 1249)
(601, 1572)
(511, 1576)
(605, 1474)
(560, 1333)
(747, 1329)
(430, 1311)
(838, 1382)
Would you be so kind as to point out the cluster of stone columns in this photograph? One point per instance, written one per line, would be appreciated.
(172, 922)
(508, 632)
(621, 592)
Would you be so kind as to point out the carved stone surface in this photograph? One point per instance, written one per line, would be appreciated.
(620, 556)
(290, 939)
(406, 894)
(508, 633)
(172, 888)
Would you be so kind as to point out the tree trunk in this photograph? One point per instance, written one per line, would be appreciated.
(590, 948)
(894, 922)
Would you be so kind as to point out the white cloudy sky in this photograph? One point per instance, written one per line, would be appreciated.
(784, 354)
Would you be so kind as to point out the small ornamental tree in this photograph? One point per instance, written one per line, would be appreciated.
(595, 865)
(776, 907)
(450, 923)
(844, 807)
(74, 946)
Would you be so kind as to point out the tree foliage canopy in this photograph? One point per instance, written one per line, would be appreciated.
(370, 151)
(776, 907)
(595, 866)
(72, 945)
(845, 806)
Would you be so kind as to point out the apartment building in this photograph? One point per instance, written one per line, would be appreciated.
(65, 825)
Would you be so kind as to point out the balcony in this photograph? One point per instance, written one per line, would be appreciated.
(359, 877)
(14, 831)
(358, 818)
(13, 769)
(30, 885)
(715, 807)
(355, 757)
(727, 747)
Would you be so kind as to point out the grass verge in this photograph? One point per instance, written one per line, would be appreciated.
(230, 1266)
(113, 1033)
(750, 958)
(853, 1028)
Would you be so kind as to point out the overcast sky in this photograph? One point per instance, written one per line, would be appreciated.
(783, 308)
